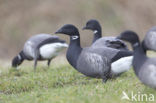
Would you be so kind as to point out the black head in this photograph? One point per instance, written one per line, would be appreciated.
(17, 61)
(68, 29)
(92, 25)
(129, 36)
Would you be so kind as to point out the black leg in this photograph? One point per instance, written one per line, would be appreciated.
(35, 64)
(49, 61)
(104, 79)
(36, 58)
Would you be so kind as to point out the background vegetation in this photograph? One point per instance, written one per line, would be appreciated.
(20, 19)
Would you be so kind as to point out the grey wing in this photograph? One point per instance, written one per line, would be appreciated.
(111, 42)
(150, 39)
(32, 43)
(110, 53)
(93, 65)
(37, 39)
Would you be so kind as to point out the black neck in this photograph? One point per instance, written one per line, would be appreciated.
(97, 34)
(139, 57)
(74, 51)
(22, 56)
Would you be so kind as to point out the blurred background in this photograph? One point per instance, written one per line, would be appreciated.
(20, 19)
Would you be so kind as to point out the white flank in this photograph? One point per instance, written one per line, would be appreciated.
(121, 65)
(48, 51)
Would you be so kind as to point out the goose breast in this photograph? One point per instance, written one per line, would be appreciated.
(147, 74)
(93, 64)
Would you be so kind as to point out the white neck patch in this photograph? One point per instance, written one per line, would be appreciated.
(19, 57)
(74, 37)
(95, 31)
(136, 44)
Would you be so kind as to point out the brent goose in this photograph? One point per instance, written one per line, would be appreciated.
(150, 39)
(144, 67)
(40, 47)
(98, 40)
(98, 62)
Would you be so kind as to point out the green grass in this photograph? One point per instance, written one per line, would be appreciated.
(63, 84)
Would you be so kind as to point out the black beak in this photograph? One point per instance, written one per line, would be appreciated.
(118, 37)
(85, 28)
(58, 31)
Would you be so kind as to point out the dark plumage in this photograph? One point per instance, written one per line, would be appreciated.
(144, 67)
(40, 47)
(100, 41)
(90, 61)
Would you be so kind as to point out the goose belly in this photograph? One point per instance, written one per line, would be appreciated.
(49, 51)
(121, 65)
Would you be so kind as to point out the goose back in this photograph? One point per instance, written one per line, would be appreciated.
(32, 43)
(111, 42)
(150, 39)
